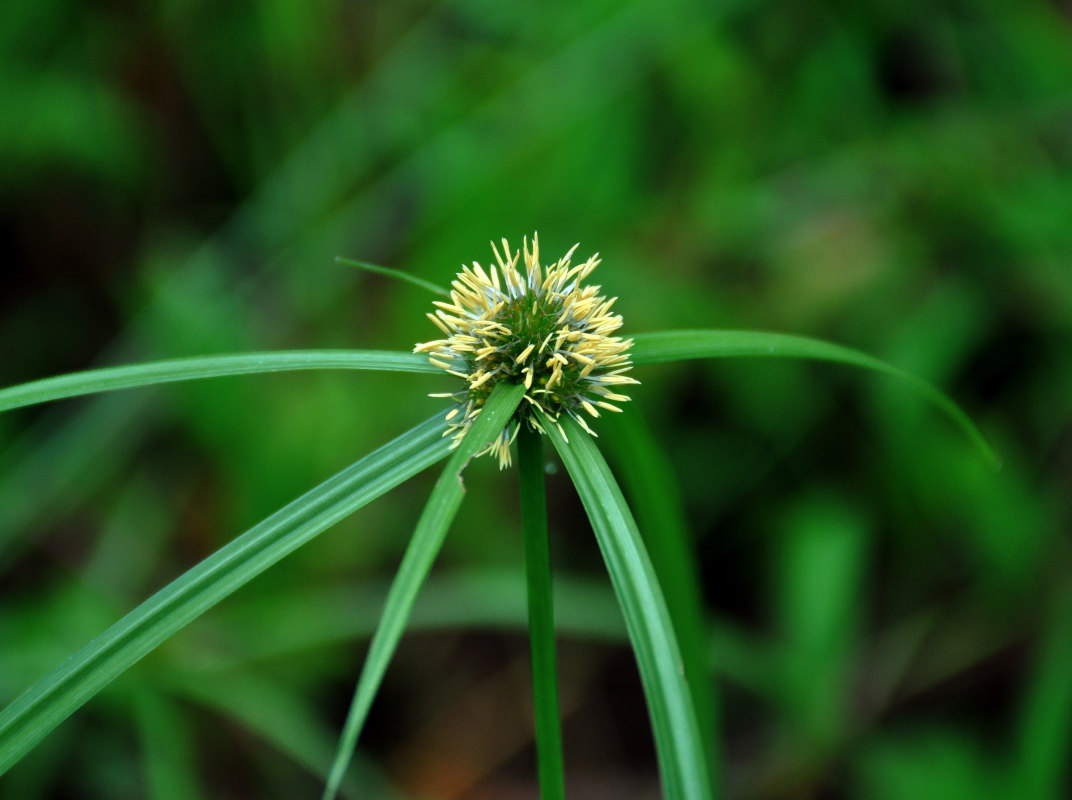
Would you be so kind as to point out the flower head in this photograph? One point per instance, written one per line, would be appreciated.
(541, 328)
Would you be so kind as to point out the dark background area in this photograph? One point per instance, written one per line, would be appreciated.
(890, 618)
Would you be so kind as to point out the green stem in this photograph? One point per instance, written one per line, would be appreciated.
(541, 616)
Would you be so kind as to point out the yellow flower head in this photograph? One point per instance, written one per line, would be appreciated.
(541, 328)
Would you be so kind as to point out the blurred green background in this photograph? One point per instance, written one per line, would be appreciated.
(890, 619)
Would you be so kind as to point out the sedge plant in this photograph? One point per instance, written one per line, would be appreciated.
(531, 351)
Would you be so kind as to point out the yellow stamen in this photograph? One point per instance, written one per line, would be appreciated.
(525, 353)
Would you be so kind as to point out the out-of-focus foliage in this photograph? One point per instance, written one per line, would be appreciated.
(889, 618)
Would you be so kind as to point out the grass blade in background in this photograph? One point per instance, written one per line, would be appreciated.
(678, 742)
(185, 369)
(166, 738)
(550, 763)
(423, 548)
(393, 273)
(60, 693)
(664, 346)
(649, 479)
(302, 619)
(283, 717)
(296, 621)
(1045, 724)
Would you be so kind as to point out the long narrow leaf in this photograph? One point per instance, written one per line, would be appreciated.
(423, 548)
(280, 714)
(678, 742)
(302, 619)
(1045, 724)
(656, 348)
(397, 274)
(56, 696)
(167, 747)
(185, 369)
(648, 478)
(299, 620)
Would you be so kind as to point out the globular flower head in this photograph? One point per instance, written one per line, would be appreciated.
(543, 329)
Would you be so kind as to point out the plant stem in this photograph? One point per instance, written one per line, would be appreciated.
(541, 616)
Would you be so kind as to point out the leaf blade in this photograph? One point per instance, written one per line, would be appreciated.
(182, 369)
(397, 274)
(648, 477)
(57, 695)
(668, 346)
(677, 736)
(427, 539)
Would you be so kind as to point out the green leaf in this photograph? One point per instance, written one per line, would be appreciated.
(818, 591)
(665, 346)
(295, 621)
(393, 273)
(678, 742)
(929, 760)
(648, 477)
(281, 715)
(60, 693)
(1045, 718)
(166, 747)
(423, 548)
(185, 369)
(300, 619)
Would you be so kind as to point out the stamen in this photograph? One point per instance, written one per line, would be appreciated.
(525, 353)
